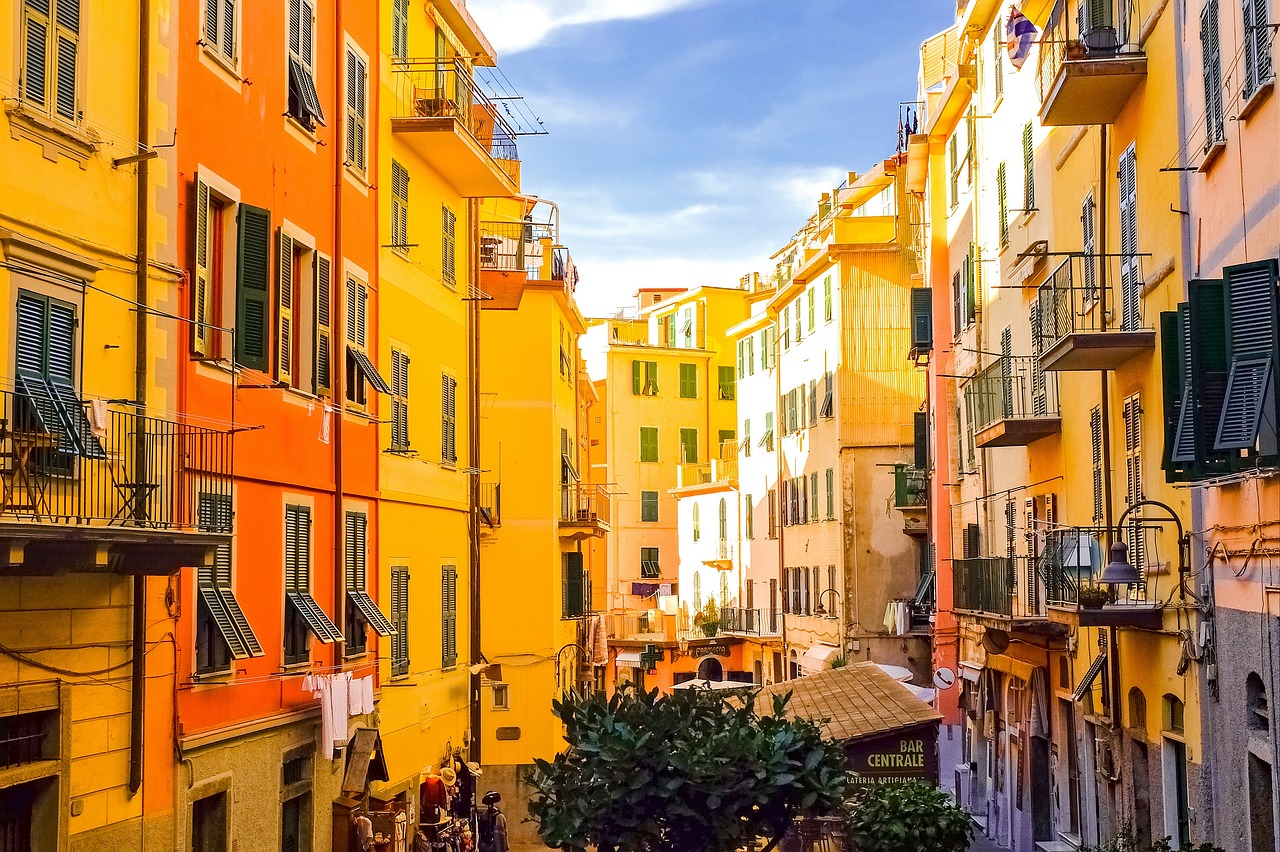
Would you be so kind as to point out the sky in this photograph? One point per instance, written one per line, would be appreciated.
(689, 139)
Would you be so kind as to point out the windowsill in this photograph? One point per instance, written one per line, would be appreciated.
(353, 656)
(220, 678)
(53, 135)
(1211, 155)
(296, 666)
(357, 177)
(449, 465)
(399, 681)
(301, 132)
(227, 69)
(1255, 100)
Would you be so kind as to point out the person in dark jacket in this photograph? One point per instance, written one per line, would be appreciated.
(493, 824)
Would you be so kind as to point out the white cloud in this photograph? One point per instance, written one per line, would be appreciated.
(516, 25)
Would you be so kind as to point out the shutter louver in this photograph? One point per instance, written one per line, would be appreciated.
(228, 40)
(252, 286)
(68, 41)
(324, 325)
(1028, 169)
(1130, 280)
(200, 290)
(1095, 439)
(400, 619)
(1002, 203)
(1253, 325)
(1089, 244)
(449, 616)
(1211, 58)
(1006, 371)
(284, 309)
(35, 56)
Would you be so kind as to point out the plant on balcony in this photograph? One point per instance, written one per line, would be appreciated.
(710, 622)
(895, 817)
(691, 770)
(1093, 597)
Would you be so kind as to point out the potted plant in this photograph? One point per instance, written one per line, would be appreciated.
(1075, 49)
(1093, 597)
(710, 619)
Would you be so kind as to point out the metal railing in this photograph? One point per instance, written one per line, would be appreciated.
(1069, 301)
(1002, 586)
(633, 625)
(447, 88)
(1014, 387)
(910, 487)
(724, 550)
(511, 246)
(581, 503)
(1073, 558)
(64, 462)
(752, 622)
(716, 470)
(490, 505)
(1086, 30)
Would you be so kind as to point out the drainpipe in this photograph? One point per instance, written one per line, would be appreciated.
(137, 678)
(473, 451)
(778, 499)
(337, 375)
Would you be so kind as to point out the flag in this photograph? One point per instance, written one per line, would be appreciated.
(1020, 34)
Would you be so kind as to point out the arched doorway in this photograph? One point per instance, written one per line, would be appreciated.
(710, 669)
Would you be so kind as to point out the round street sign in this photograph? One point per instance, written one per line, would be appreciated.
(944, 678)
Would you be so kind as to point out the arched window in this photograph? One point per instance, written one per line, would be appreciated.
(724, 520)
(724, 588)
(1255, 694)
(1137, 708)
(697, 591)
(697, 523)
(1173, 714)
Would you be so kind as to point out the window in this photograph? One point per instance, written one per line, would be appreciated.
(448, 419)
(727, 383)
(688, 381)
(724, 520)
(302, 278)
(648, 443)
(357, 115)
(400, 620)
(748, 513)
(649, 507)
(220, 28)
(689, 446)
(303, 616)
(742, 359)
(650, 569)
(209, 823)
(826, 299)
(696, 513)
(400, 29)
(222, 631)
(1130, 270)
(448, 247)
(766, 440)
(448, 616)
(45, 358)
(812, 310)
(1257, 47)
(1002, 203)
(361, 609)
(399, 208)
(304, 102)
(644, 378)
(360, 367)
(751, 355)
(724, 588)
(827, 409)
(1028, 169)
(1089, 248)
(813, 402)
(208, 280)
(997, 56)
(813, 497)
(831, 493)
(1211, 69)
(295, 802)
(746, 437)
(573, 586)
(50, 65)
(399, 399)
(772, 498)
(501, 696)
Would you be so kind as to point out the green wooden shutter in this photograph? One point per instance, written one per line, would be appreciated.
(67, 30)
(826, 299)
(1002, 203)
(449, 616)
(1028, 169)
(253, 251)
(35, 53)
(637, 380)
(1253, 328)
(920, 429)
(400, 29)
(1211, 70)
(727, 390)
(831, 493)
(813, 315)
(400, 620)
(1089, 244)
(322, 381)
(688, 381)
(648, 443)
(998, 41)
(354, 544)
(572, 585)
(200, 290)
(449, 269)
(1130, 280)
(448, 426)
(689, 446)
(1208, 360)
(921, 319)
(957, 302)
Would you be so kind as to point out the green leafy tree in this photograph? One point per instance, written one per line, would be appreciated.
(692, 770)
(895, 817)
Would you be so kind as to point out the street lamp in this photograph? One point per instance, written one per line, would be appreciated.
(581, 650)
(820, 610)
(1119, 571)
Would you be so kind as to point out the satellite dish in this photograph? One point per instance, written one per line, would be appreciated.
(995, 641)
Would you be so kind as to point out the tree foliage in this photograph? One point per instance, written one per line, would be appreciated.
(692, 770)
(908, 816)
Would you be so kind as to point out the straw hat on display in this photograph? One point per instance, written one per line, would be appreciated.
(448, 776)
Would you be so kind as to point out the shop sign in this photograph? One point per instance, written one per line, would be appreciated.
(713, 650)
(896, 758)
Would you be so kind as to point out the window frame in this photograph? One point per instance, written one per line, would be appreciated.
(688, 384)
(215, 45)
(356, 115)
(648, 507)
(655, 571)
(302, 106)
(56, 32)
(400, 361)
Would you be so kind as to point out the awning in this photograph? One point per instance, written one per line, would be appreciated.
(698, 683)
(818, 658)
(628, 659)
(364, 761)
(899, 673)
(1086, 682)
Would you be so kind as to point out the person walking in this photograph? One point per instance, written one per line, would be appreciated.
(493, 824)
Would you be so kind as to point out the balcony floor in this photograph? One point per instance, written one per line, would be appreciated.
(1092, 90)
(448, 147)
(1018, 431)
(1097, 350)
(43, 548)
(1139, 617)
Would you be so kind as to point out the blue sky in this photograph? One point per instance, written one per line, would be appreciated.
(690, 138)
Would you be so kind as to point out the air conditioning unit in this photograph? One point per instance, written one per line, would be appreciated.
(964, 785)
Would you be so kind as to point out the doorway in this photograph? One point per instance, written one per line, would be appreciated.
(710, 669)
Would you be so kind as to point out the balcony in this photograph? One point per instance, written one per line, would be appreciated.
(1090, 63)
(111, 491)
(707, 473)
(442, 114)
(911, 498)
(1077, 309)
(489, 508)
(514, 254)
(584, 511)
(1015, 402)
(998, 587)
(640, 627)
(1069, 566)
(738, 621)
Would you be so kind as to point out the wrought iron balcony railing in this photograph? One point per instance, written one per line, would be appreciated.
(910, 487)
(1001, 586)
(1016, 395)
(582, 503)
(751, 622)
(490, 506)
(1090, 61)
(65, 462)
(1089, 314)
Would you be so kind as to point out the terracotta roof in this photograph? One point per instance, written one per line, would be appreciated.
(851, 702)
